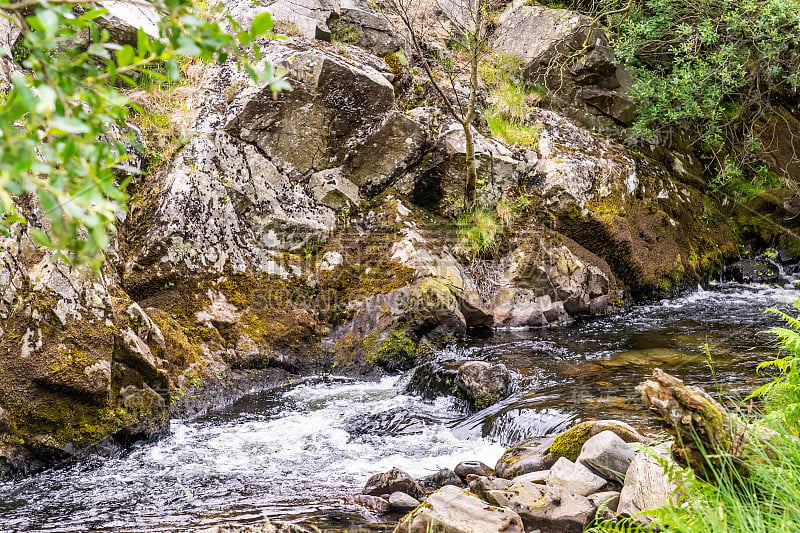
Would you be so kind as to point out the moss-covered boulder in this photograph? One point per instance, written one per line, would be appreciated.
(569, 443)
(769, 219)
(650, 223)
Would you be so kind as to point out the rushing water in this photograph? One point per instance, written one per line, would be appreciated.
(295, 453)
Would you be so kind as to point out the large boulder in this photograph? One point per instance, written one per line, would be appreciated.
(633, 211)
(570, 443)
(79, 361)
(608, 455)
(483, 383)
(545, 509)
(454, 510)
(570, 56)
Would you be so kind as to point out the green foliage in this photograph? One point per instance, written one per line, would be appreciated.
(509, 100)
(712, 69)
(396, 352)
(344, 32)
(782, 395)
(55, 119)
(512, 132)
(478, 232)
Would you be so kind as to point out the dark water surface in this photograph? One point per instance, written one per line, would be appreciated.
(295, 453)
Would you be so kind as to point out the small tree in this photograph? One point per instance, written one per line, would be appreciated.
(468, 26)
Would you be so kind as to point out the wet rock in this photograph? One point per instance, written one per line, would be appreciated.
(452, 509)
(570, 443)
(465, 468)
(549, 510)
(608, 455)
(483, 383)
(648, 485)
(398, 421)
(395, 480)
(442, 478)
(525, 457)
(574, 478)
(753, 271)
(268, 526)
(402, 502)
(434, 378)
(376, 504)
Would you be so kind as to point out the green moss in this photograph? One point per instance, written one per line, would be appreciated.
(395, 352)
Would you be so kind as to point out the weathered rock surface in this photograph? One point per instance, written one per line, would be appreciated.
(452, 509)
(549, 510)
(627, 209)
(607, 455)
(466, 468)
(483, 383)
(574, 478)
(571, 57)
(525, 457)
(400, 501)
(648, 485)
(376, 504)
(395, 480)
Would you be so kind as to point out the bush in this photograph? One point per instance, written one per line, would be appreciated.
(713, 69)
(478, 233)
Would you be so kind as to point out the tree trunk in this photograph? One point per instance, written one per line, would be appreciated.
(471, 184)
(705, 433)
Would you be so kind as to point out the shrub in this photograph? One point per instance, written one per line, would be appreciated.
(478, 233)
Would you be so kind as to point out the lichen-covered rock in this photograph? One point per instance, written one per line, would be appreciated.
(483, 383)
(570, 55)
(77, 361)
(630, 210)
(546, 509)
(525, 457)
(454, 510)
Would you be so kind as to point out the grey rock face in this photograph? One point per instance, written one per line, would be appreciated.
(570, 56)
(452, 509)
(547, 509)
(574, 478)
(608, 455)
(647, 484)
(484, 383)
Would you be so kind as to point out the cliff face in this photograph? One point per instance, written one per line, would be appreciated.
(314, 231)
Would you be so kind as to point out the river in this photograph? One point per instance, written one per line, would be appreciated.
(294, 453)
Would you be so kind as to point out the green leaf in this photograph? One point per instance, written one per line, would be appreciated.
(125, 55)
(41, 238)
(261, 24)
(69, 125)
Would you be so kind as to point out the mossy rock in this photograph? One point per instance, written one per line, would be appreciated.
(569, 443)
